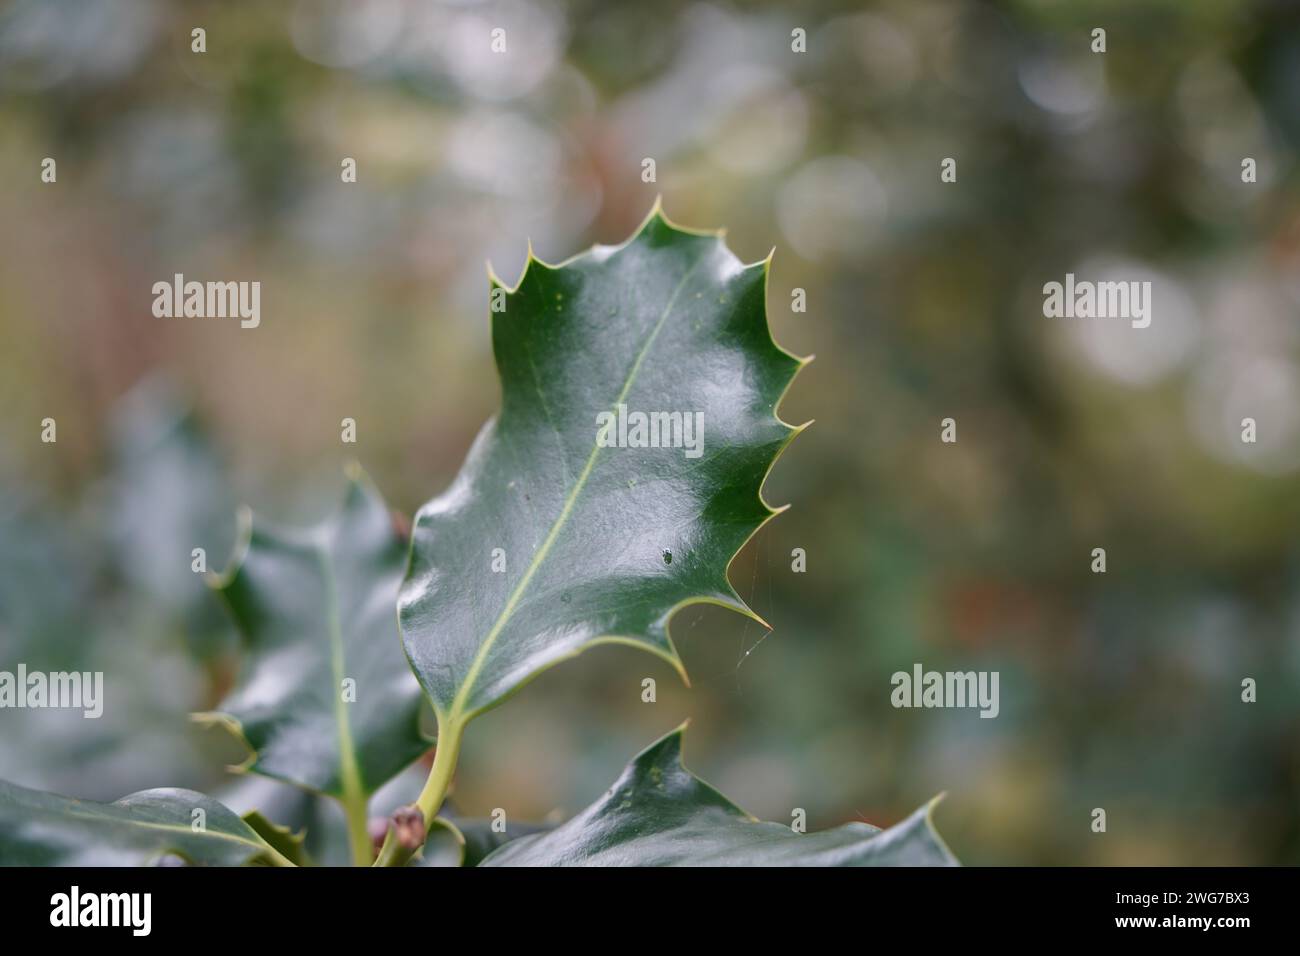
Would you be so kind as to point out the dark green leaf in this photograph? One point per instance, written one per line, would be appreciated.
(319, 819)
(288, 844)
(316, 609)
(600, 544)
(658, 813)
(44, 829)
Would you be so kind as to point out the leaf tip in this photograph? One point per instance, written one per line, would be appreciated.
(743, 607)
(934, 830)
(220, 581)
(657, 214)
(217, 718)
(496, 282)
(674, 659)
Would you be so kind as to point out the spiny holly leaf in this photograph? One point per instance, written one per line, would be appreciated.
(550, 540)
(325, 834)
(290, 845)
(326, 699)
(658, 813)
(45, 829)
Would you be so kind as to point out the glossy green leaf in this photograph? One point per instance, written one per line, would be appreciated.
(315, 608)
(549, 542)
(320, 820)
(658, 813)
(44, 829)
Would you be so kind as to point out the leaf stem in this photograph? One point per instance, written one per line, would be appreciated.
(354, 796)
(444, 765)
(354, 808)
(431, 797)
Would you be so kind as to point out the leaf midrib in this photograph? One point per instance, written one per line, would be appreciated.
(458, 705)
(204, 834)
(349, 770)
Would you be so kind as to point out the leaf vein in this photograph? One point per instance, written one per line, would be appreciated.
(480, 658)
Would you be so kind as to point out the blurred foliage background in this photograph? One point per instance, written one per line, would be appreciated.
(1119, 690)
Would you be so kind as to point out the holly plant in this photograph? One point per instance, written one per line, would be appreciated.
(622, 474)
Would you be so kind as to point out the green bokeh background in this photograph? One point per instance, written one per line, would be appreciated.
(1120, 691)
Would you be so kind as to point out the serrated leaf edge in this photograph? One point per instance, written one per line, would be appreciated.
(732, 601)
(356, 478)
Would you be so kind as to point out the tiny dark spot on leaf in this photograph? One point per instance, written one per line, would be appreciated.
(668, 556)
(565, 598)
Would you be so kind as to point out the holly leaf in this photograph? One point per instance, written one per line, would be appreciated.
(45, 829)
(570, 523)
(326, 699)
(290, 845)
(658, 813)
